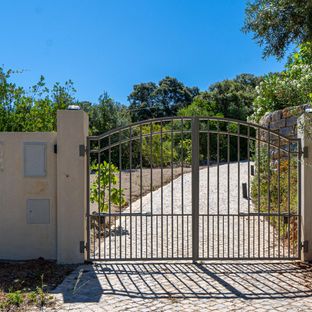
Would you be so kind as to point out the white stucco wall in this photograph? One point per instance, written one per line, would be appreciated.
(19, 240)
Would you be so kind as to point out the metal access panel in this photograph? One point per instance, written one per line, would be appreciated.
(35, 159)
(38, 211)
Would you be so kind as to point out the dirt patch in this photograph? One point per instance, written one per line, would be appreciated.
(151, 180)
(21, 283)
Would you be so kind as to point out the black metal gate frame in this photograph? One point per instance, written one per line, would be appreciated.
(194, 243)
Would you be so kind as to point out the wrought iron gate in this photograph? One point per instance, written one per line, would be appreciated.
(193, 188)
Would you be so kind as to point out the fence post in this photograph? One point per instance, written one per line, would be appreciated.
(195, 188)
(306, 189)
(72, 132)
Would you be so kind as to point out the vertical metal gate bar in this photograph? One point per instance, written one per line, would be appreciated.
(208, 188)
(182, 182)
(299, 155)
(109, 198)
(269, 192)
(130, 193)
(120, 194)
(151, 187)
(228, 192)
(177, 236)
(99, 199)
(141, 195)
(248, 189)
(258, 188)
(288, 203)
(88, 200)
(238, 188)
(218, 190)
(279, 196)
(195, 187)
(172, 223)
(162, 190)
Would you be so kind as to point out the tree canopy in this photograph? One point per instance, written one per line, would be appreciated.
(291, 87)
(228, 98)
(151, 100)
(278, 24)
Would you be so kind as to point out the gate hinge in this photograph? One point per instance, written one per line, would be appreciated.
(305, 152)
(82, 246)
(305, 246)
(82, 150)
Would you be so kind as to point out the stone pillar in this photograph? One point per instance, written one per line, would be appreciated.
(306, 189)
(72, 131)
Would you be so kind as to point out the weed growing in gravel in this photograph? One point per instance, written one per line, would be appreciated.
(15, 298)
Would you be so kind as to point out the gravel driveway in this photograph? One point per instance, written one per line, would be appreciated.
(225, 231)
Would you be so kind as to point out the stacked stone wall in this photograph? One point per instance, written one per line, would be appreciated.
(284, 121)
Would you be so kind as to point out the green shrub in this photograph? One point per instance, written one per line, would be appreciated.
(281, 194)
(15, 298)
(159, 149)
(106, 177)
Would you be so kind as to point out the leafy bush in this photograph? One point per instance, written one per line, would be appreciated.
(281, 187)
(291, 87)
(158, 150)
(106, 175)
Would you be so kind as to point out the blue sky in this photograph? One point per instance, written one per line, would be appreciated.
(110, 45)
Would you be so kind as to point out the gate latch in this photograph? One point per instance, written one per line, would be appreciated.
(305, 246)
(82, 246)
(82, 150)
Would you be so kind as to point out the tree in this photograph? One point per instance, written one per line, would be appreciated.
(143, 104)
(172, 95)
(200, 107)
(234, 97)
(104, 189)
(107, 114)
(149, 100)
(33, 110)
(228, 98)
(291, 87)
(278, 24)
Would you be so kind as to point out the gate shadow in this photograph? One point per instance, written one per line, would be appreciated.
(186, 280)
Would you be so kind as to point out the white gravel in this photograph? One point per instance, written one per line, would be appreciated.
(229, 235)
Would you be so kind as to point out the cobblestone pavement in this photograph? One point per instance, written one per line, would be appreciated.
(187, 287)
(160, 224)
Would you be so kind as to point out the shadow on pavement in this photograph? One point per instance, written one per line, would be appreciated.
(247, 281)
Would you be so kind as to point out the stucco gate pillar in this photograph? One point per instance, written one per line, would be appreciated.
(306, 186)
(72, 132)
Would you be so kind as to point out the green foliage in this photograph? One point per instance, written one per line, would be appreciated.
(199, 107)
(106, 115)
(34, 110)
(278, 24)
(185, 146)
(291, 87)
(279, 189)
(228, 98)
(39, 297)
(158, 149)
(150, 100)
(15, 298)
(106, 176)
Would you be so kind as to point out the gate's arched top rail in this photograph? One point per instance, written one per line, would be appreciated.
(267, 132)
(189, 118)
